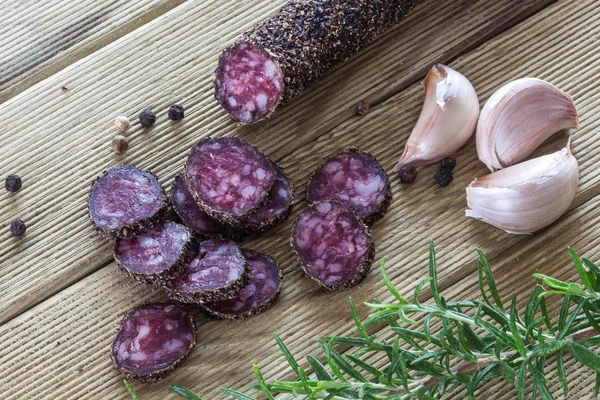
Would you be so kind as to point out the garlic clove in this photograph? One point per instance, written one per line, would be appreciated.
(525, 197)
(518, 118)
(448, 118)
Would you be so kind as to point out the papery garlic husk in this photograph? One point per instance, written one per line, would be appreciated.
(448, 118)
(525, 197)
(518, 118)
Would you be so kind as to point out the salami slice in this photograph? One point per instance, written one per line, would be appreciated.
(229, 178)
(276, 210)
(333, 245)
(356, 180)
(278, 59)
(156, 255)
(217, 271)
(126, 201)
(262, 290)
(195, 218)
(153, 340)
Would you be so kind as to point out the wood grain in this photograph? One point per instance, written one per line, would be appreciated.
(69, 333)
(39, 38)
(63, 137)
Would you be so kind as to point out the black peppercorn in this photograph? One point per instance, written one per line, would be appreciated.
(147, 118)
(17, 228)
(13, 183)
(363, 107)
(176, 112)
(408, 174)
(448, 163)
(443, 177)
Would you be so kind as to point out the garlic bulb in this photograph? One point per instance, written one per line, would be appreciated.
(525, 197)
(518, 118)
(448, 118)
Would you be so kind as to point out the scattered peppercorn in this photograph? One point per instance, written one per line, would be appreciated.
(176, 112)
(13, 183)
(120, 144)
(408, 174)
(448, 163)
(122, 123)
(64, 88)
(363, 107)
(18, 228)
(444, 177)
(147, 118)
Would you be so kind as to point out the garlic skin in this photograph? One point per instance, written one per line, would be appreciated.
(448, 118)
(525, 197)
(518, 118)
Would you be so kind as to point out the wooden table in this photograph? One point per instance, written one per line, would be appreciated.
(61, 296)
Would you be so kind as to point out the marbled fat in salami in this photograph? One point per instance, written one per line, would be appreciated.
(356, 180)
(194, 217)
(152, 341)
(333, 245)
(217, 271)
(229, 178)
(156, 255)
(257, 295)
(126, 201)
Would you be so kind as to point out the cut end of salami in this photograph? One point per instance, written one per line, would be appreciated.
(333, 245)
(126, 201)
(356, 180)
(217, 271)
(262, 290)
(248, 83)
(229, 178)
(156, 255)
(194, 217)
(153, 340)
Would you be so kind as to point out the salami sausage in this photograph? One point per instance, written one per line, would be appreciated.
(156, 255)
(333, 245)
(356, 180)
(276, 210)
(217, 271)
(153, 340)
(195, 218)
(278, 59)
(229, 178)
(262, 290)
(126, 201)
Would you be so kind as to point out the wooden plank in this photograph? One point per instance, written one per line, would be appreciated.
(77, 125)
(419, 212)
(39, 38)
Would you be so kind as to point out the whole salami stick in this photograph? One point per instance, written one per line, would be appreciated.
(281, 57)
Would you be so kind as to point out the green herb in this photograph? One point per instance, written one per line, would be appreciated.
(130, 389)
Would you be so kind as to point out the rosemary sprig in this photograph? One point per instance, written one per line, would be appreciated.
(437, 347)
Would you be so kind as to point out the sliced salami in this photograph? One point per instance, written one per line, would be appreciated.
(229, 178)
(262, 290)
(217, 271)
(333, 245)
(153, 340)
(278, 59)
(276, 210)
(195, 218)
(156, 255)
(355, 179)
(126, 201)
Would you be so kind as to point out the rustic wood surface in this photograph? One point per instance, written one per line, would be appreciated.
(61, 295)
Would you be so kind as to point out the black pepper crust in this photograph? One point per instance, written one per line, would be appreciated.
(364, 268)
(161, 373)
(219, 315)
(383, 207)
(140, 226)
(159, 278)
(309, 38)
(224, 217)
(199, 297)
